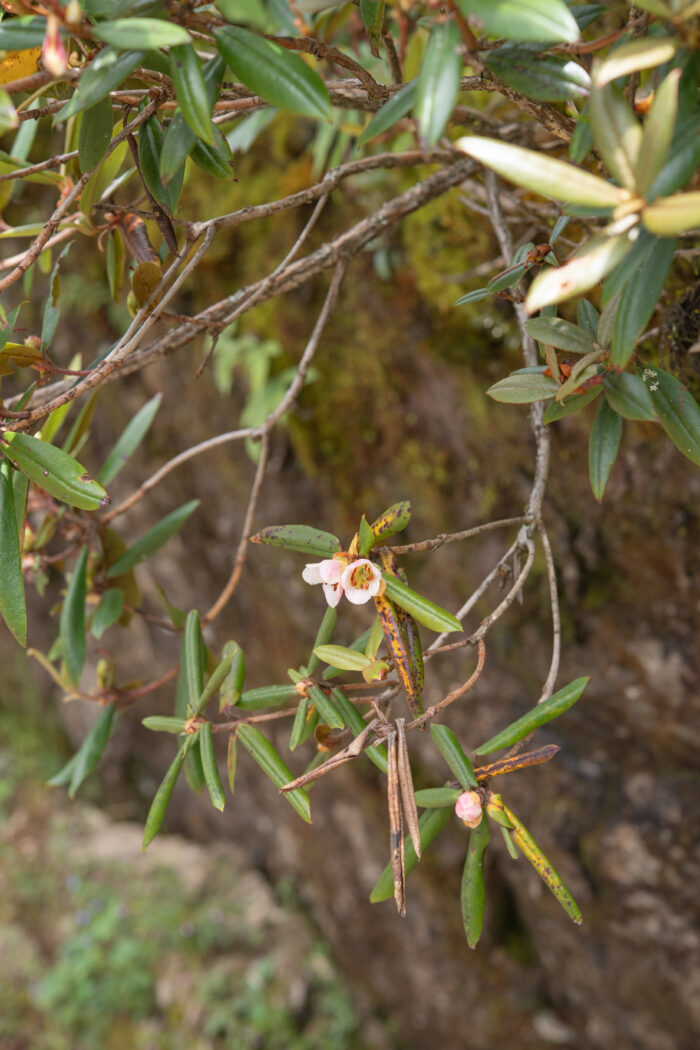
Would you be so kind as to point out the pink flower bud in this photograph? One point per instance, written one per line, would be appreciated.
(53, 52)
(468, 809)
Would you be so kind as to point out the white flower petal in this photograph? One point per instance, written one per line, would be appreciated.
(333, 593)
(361, 580)
(312, 572)
(331, 570)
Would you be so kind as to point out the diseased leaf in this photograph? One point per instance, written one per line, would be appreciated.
(677, 409)
(524, 840)
(278, 76)
(72, 629)
(393, 520)
(302, 538)
(603, 447)
(153, 540)
(12, 603)
(555, 705)
(541, 174)
(438, 81)
(548, 21)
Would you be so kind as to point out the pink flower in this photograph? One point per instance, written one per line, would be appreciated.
(361, 580)
(53, 52)
(468, 809)
(329, 574)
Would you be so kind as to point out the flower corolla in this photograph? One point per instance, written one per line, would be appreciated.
(361, 580)
(468, 808)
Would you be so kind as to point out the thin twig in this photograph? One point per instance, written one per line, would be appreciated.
(455, 537)
(455, 694)
(548, 686)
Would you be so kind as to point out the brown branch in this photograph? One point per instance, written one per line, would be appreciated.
(455, 694)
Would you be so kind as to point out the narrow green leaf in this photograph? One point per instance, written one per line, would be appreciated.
(398, 106)
(548, 21)
(342, 658)
(95, 134)
(359, 646)
(668, 216)
(141, 33)
(656, 7)
(20, 484)
(617, 132)
(164, 724)
(105, 73)
(522, 388)
(559, 409)
(191, 91)
(555, 331)
(543, 867)
(266, 696)
(430, 825)
(438, 81)
(153, 540)
(129, 440)
(232, 761)
(587, 317)
(677, 409)
(272, 765)
(587, 267)
(323, 637)
(541, 174)
(55, 471)
(472, 892)
(159, 806)
(217, 679)
(420, 608)
(19, 34)
(300, 724)
(451, 750)
(211, 771)
(150, 144)
(506, 280)
(115, 265)
(72, 626)
(627, 395)
(434, 798)
(92, 747)
(474, 297)
(603, 447)
(555, 705)
(377, 753)
(639, 300)
(278, 76)
(633, 57)
(540, 76)
(323, 703)
(12, 604)
(192, 661)
(108, 611)
(215, 160)
(657, 136)
(372, 12)
(301, 538)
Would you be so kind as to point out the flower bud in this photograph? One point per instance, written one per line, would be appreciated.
(468, 809)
